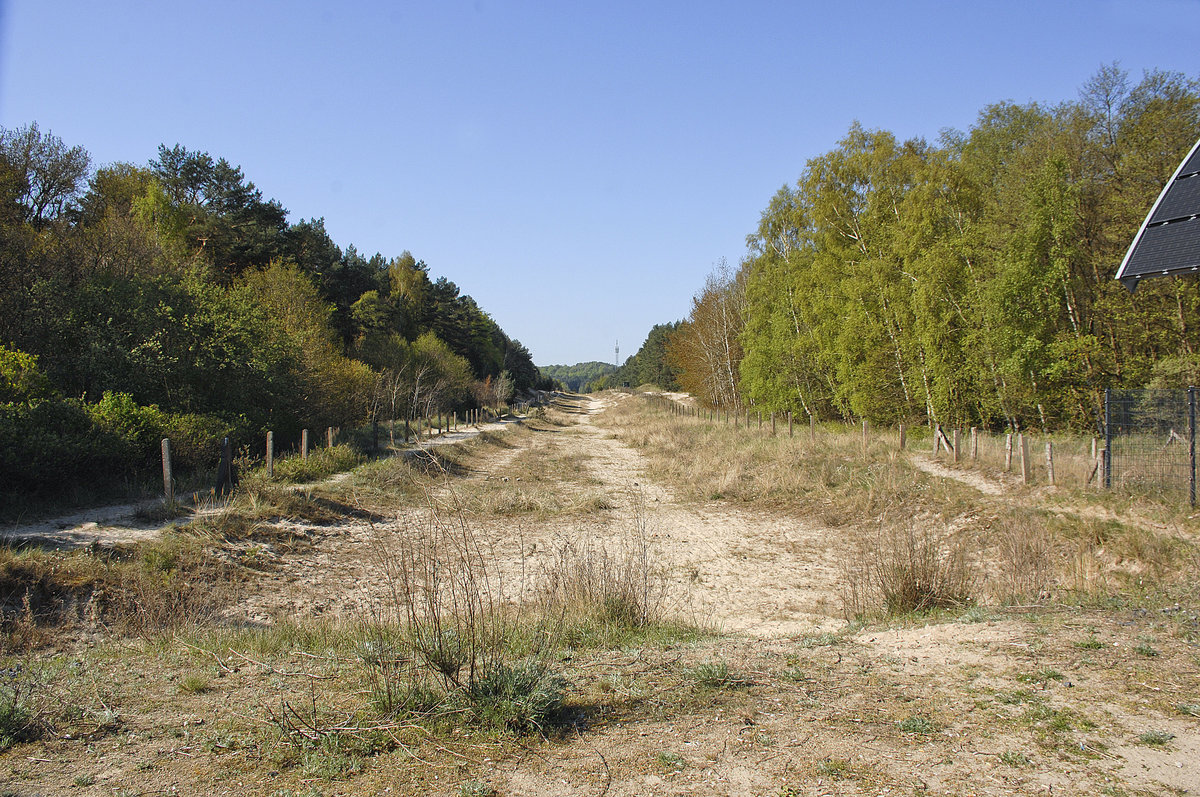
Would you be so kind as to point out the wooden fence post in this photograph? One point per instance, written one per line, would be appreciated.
(270, 454)
(1050, 462)
(226, 476)
(772, 424)
(1008, 453)
(954, 445)
(168, 481)
(937, 438)
(903, 437)
(790, 423)
(407, 431)
(812, 427)
(1023, 450)
(866, 433)
(974, 444)
(303, 444)
(329, 437)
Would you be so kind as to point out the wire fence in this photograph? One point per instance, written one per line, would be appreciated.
(1149, 444)
(1151, 440)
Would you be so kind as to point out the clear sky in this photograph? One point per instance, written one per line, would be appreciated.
(577, 167)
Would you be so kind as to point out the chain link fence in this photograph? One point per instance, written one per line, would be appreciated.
(1150, 438)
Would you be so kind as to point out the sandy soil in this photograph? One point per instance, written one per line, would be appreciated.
(127, 523)
(991, 704)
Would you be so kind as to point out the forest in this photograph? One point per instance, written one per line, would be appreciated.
(966, 282)
(173, 300)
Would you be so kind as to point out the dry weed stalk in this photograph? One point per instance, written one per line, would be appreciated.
(906, 568)
(619, 581)
(1026, 570)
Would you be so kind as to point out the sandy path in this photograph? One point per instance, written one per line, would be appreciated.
(730, 568)
(120, 523)
(747, 571)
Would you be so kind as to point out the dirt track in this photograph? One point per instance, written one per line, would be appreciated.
(988, 704)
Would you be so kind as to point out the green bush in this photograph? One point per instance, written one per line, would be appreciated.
(320, 463)
(195, 440)
(46, 443)
(522, 697)
(20, 378)
(139, 429)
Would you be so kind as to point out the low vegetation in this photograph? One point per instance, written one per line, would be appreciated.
(468, 645)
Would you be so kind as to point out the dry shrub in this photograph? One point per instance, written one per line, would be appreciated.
(905, 568)
(448, 638)
(1026, 559)
(615, 583)
(169, 583)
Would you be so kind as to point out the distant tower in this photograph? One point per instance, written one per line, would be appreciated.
(617, 355)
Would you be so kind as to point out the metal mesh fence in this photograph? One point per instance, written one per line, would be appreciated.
(1151, 440)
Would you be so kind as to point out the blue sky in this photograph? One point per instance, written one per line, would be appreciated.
(578, 167)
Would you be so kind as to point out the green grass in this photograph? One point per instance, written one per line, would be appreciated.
(1156, 738)
(916, 724)
(716, 675)
(670, 762)
(1190, 709)
(194, 684)
(320, 464)
(1014, 758)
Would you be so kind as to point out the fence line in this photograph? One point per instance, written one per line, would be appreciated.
(226, 479)
(1068, 460)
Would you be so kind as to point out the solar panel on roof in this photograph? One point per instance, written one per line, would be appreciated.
(1192, 164)
(1182, 201)
(1168, 241)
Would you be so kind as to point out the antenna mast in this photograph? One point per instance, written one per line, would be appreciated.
(617, 355)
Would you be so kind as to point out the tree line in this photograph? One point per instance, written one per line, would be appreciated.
(173, 299)
(966, 282)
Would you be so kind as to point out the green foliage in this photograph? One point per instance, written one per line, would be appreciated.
(20, 378)
(577, 377)
(1156, 738)
(716, 675)
(969, 283)
(18, 717)
(175, 300)
(916, 724)
(520, 697)
(320, 463)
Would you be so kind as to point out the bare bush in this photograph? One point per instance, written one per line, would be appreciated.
(448, 635)
(907, 568)
(1026, 568)
(616, 583)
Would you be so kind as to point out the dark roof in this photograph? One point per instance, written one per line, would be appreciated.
(1169, 239)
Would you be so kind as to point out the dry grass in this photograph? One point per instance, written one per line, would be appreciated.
(174, 582)
(830, 479)
(1064, 545)
(904, 569)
